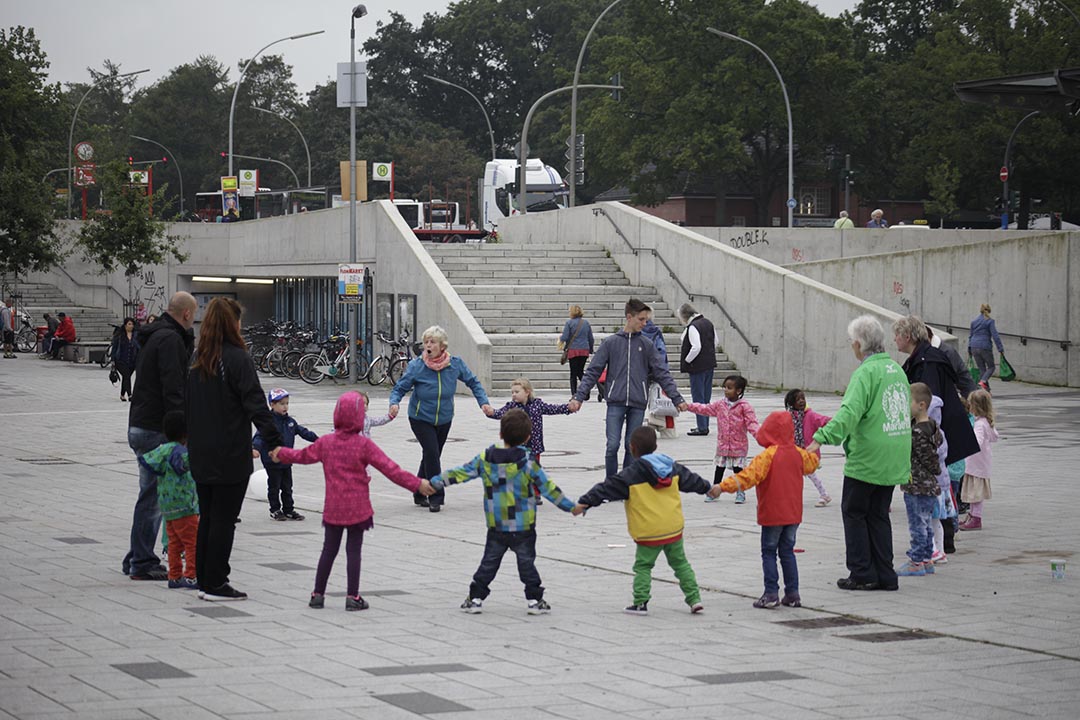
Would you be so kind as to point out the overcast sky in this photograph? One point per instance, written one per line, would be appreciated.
(159, 35)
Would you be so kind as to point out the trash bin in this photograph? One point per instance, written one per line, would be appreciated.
(42, 330)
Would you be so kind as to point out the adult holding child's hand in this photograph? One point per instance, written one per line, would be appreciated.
(432, 378)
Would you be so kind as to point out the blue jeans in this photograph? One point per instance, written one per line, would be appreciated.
(146, 520)
(523, 545)
(920, 525)
(701, 392)
(779, 540)
(616, 435)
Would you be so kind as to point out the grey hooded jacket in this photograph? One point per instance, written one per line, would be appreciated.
(631, 361)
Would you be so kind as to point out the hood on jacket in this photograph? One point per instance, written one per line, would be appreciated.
(349, 413)
(650, 330)
(163, 324)
(778, 429)
(507, 455)
(661, 465)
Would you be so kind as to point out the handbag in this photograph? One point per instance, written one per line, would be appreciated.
(660, 405)
(975, 489)
(973, 370)
(1007, 374)
(114, 375)
(564, 357)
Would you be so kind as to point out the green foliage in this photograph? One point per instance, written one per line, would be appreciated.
(943, 181)
(127, 236)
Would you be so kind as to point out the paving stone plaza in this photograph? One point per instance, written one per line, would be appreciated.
(989, 635)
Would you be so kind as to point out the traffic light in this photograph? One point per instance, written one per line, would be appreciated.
(616, 94)
(579, 159)
(165, 159)
(224, 154)
(131, 161)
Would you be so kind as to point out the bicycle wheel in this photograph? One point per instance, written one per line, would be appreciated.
(397, 369)
(307, 369)
(263, 362)
(275, 361)
(289, 363)
(377, 371)
(25, 340)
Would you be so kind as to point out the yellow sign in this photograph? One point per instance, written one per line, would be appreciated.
(229, 182)
(361, 180)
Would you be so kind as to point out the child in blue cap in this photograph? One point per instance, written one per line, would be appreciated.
(279, 477)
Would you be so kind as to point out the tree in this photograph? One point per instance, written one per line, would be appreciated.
(29, 124)
(943, 181)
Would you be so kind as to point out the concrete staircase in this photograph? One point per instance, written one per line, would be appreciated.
(91, 323)
(521, 294)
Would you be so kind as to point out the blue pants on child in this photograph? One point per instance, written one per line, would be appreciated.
(779, 540)
(919, 509)
(279, 484)
(523, 545)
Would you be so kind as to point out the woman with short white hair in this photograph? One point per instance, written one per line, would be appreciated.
(433, 378)
(877, 219)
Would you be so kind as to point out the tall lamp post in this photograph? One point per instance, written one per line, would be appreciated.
(232, 105)
(286, 119)
(787, 106)
(1008, 170)
(573, 103)
(175, 164)
(71, 132)
(357, 12)
(491, 133)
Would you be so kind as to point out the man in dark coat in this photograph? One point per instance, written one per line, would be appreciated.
(697, 357)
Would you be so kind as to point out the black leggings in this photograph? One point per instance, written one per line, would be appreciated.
(718, 475)
(125, 378)
(353, 546)
(577, 370)
(431, 439)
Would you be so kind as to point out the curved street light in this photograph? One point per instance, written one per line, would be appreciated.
(487, 119)
(1008, 169)
(232, 105)
(296, 179)
(787, 106)
(286, 119)
(357, 12)
(175, 164)
(71, 132)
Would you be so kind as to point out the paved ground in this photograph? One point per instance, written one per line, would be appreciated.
(997, 637)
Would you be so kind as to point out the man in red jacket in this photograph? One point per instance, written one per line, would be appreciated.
(65, 333)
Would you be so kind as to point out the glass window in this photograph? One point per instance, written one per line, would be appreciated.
(384, 313)
(407, 315)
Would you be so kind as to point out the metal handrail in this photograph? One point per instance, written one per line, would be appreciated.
(1064, 344)
(671, 273)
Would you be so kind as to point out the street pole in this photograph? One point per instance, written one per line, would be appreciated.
(232, 105)
(1005, 182)
(175, 164)
(573, 103)
(302, 139)
(357, 12)
(787, 106)
(296, 179)
(847, 182)
(491, 133)
(71, 132)
(523, 145)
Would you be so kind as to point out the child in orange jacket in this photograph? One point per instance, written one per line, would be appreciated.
(778, 474)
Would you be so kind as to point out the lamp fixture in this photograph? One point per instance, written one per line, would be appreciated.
(210, 279)
(255, 281)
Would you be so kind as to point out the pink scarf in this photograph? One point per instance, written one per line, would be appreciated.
(437, 363)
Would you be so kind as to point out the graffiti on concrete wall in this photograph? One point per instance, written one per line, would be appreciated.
(749, 238)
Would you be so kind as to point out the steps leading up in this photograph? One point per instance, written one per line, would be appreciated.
(91, 323)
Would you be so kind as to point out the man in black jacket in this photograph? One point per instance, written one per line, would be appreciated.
(698, 358)
(160, 378)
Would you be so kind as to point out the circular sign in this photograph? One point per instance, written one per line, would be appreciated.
(1004, 174)
(791, 203)
(84, 151)
(383, 170)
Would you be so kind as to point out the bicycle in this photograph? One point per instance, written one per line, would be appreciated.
(313, 368)
(391, 363)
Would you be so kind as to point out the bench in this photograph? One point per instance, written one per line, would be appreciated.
(84, 351)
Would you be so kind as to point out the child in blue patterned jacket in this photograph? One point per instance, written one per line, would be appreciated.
(509, 476)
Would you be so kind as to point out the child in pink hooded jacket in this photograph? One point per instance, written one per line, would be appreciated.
(734, 419)
(807, 422)
(345, 455)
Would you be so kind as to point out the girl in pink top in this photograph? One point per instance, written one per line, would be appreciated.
(807, 422)
(345, 455)
(734, 419)
(975, 486)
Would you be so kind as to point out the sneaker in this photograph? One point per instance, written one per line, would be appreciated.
(740, 497)
(767, 601)
(473, 606)
(928, 567)
(434, 508)
(183, 584)
(825, 500)
(225, 593)
(847, 583)
(420, 500)
(157, 574)
(317, 601)
(911, 569)
(293, 515)
(355, 603)
(277, 515)
(698, 432)
(639, 609)
(939, 558)
(697, 608)
(539, 607)
(972, 523)
(791, 600)
(710, 499)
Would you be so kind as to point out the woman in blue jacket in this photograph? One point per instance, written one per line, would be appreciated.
(433, 378)
(983, 330)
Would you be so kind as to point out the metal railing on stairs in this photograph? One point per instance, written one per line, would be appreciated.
(678, 281)
(949, 327)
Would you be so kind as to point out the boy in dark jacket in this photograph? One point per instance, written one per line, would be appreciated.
(651, 486)
(778, 474)
(279, 477)
(920, 495)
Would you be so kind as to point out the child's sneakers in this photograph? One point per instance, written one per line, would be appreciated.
(740, 497)
(939, 558)
(709, 498)
(697, 608)
(638, 609)
(277, 515)
(972, 523)
(767, 601)
(791, 600)
(911, 569)
(184, 583)
(473, 606)
(825, 500)
(539, 607)
(355, 603)
(317, 601)
(292, 515)
(928, 567)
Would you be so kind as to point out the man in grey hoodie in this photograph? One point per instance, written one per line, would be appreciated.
(632, 361)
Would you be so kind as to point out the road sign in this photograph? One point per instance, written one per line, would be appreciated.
(1004, 174)
(382, 171)
(249, 182)
(343, 71)
(84, 174)
(350, 283)
(791, 203)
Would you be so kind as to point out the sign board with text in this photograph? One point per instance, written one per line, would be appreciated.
(343, 74)
(249, 182)
(350, 283)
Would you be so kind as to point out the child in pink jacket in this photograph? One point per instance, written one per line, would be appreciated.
(345, 455)
(734, 419)
(807, 422)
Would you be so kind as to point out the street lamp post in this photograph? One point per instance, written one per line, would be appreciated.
(232, 105)
(787, 106)
(491, 133)
(296, 180)
(1008, 171)
(523, 145)
(357, 12)
(573, 104)
(286, 119)
(71, 132)
(175, 164)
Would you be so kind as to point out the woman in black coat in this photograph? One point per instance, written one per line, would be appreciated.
(125, 350)
(224, 398)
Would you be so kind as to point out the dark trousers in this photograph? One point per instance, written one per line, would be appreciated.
(577, 370)
(279, 484)
(57, 345)
(868, 532)
(353, 547)
(219, 506)
(125, 379)
(701, 392)
(523, 545)
(431, 439)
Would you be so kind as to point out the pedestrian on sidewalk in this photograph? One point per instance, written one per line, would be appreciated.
(576, 342)
(7, 327)
(843, 222)
(735, 418)
(125, 354)
(983, 332)
(697, 357)
(921, 494)
(279, 480)
(975, 487)
(807, 422)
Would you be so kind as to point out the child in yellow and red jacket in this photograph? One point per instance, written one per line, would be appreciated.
(651, 486)
(778, 474)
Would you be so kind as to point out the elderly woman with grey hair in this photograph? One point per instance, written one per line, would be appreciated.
(697, 357)
(874, 426)
(433, 378)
